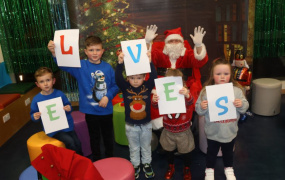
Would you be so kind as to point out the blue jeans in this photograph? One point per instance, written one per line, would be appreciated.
(139, 137)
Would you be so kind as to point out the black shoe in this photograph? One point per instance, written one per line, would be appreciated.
(137, 171)
(148, 171)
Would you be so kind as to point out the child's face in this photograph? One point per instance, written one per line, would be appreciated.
(222, 73)
(136, 80)
(94, 53)
(46, 83)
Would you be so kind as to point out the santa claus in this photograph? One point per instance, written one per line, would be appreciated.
(175, 52)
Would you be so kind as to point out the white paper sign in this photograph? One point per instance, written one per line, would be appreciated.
(170, 101)
(220, 102)
(53, 115)
(136, 60)
(67, 48)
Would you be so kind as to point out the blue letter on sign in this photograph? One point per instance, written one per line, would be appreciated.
(136, 60)
(225, 98)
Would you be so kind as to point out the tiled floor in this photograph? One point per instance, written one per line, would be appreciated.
(259, 152)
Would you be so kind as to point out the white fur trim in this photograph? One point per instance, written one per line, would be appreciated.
(174, 36)
(202, 54)
(183, 51)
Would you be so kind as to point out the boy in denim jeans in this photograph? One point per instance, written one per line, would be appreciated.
(137, 93)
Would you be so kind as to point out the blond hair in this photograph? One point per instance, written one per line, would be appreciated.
(42, 71)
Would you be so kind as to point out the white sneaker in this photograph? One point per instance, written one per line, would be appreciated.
(229, 172)
(209, 174)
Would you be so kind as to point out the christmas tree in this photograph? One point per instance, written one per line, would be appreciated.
(108, 20)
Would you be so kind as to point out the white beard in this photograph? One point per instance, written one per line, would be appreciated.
(174, 51)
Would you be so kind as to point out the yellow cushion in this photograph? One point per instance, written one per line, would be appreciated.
(36, 141)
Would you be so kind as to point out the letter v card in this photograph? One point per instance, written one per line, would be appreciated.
(136, 60)
(220, 102)
(53, 115)
(67, 47)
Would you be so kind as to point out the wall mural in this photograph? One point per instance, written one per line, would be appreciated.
(226, 22)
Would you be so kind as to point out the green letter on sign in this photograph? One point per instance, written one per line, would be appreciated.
(50, 112)
(168, 91)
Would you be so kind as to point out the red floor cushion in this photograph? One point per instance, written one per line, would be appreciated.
(6, 99)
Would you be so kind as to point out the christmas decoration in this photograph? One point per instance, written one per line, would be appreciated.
(108, 20)
(25, 29)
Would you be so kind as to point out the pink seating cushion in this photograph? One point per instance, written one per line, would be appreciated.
(115, 168)
(81, 129)
(6, 99)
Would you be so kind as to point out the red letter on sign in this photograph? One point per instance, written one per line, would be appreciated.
(62, 46)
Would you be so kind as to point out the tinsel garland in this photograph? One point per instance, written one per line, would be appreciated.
(269, 32)
(24, 32)
(60, 20)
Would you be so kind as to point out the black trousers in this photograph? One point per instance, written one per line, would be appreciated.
(70, 140)
(213, 149)
(100, 125)
(186, 158)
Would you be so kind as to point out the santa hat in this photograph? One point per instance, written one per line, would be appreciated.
(173, 34)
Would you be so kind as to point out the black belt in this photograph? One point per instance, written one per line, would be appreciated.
(185, 71)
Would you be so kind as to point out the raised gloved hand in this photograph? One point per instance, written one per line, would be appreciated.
(150, 33)
(199, 33)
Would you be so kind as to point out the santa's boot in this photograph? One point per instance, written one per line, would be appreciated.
(170, 172)
(187, 173)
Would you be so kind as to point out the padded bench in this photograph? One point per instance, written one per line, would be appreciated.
(6, 99)
(17, 88)
(18, 110)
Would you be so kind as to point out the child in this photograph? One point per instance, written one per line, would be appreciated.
(97, 88)
(45, 81)
(221, 133)
(136, 93)
(176, 132)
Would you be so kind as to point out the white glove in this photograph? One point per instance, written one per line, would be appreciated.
(198, 36)
(150, 33)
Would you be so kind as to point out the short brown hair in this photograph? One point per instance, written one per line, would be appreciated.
(173, 72)
(42, 71)
(92, 40)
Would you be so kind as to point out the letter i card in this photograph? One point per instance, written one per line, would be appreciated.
(53, 115)
(220, 102)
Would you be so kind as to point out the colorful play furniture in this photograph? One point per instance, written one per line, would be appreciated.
(119, 124)
(266, 96)
(81, 129)
(115, 168)
(36, 141)
(29, 173)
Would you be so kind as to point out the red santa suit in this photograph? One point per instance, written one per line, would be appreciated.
(189, 63)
